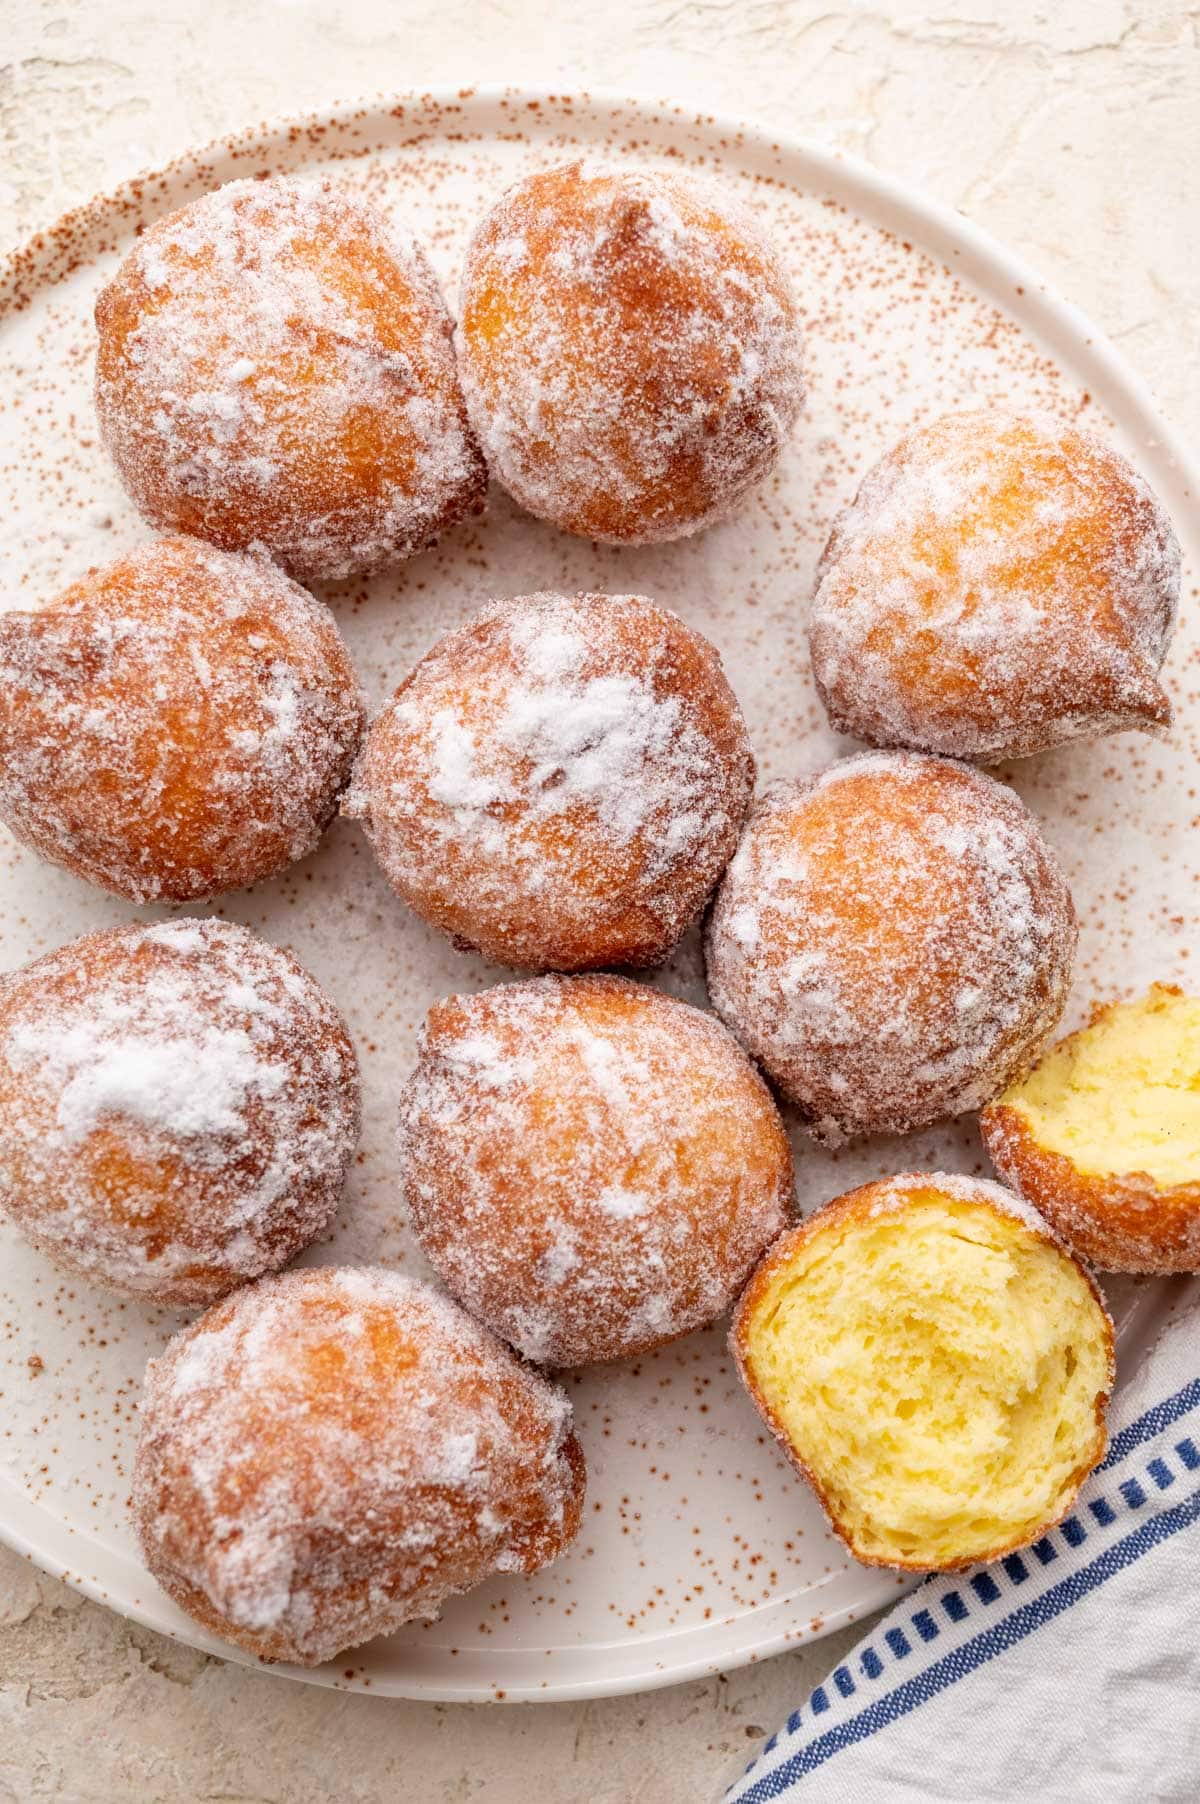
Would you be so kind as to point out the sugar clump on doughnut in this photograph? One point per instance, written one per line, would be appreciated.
(559, 782)
(179, 1104)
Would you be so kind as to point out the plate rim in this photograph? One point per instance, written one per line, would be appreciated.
(984, 260)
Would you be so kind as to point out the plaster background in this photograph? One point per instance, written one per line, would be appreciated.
(1071, 129)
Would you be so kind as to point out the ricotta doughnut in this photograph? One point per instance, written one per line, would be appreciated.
(629, 350)
(973, 1360)
(1000, 584)
(1103, 1135)
(330, 1454)
(892, 941)
(592, 1167)
(179, 1104)
(560, 782)
(176, 724)
(275, 371)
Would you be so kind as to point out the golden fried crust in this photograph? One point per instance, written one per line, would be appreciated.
(559, 782)
(629, 350)
(658, 1161)
(178, 723)
(275, 370)
(999, 585)
(1122, 1224)
(179, 1104)
(890, 1196)
(892, 941)
(541, 1544)
(332, 1453)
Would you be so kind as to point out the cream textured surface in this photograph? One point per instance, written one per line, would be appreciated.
(1070, 131)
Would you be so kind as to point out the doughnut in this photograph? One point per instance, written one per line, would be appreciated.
(179, 1104)
(332, 1453)
(559, 782)
(935, 1362)
(176, 724)
(629, 350)
(892, 941)
(999, 585)
(275, 371)
(592, 1167)
(1103, 1136)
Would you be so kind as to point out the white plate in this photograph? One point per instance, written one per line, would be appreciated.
(699, 1550)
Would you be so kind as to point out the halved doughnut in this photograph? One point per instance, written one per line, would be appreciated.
(1103, 1136)
(936, 1363)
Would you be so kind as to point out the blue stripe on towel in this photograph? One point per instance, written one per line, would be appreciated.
(995, 1639)
(954, 1607)
(1152, 1423)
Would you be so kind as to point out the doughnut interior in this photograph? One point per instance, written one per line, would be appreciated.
(1122, 1095)
(937, 1372)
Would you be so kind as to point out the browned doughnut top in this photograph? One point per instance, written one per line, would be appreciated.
(592, 1166)
(178, 1107)
(893, 942)
(176, 724)
(629, 350)
(560, 781)
(1000, 584)
(275, 371)
(331, 1453)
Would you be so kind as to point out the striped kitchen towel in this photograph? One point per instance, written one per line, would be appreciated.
(1067, 1672)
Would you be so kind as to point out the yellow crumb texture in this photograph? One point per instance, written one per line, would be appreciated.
(1123, 1096)
(938, 1372)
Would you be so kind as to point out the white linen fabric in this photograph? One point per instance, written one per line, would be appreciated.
(1067, 1672)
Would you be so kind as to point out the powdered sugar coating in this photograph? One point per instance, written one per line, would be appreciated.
(592, 1166)
(179, 1104)
(176, 724)
(332, 1453)
(1000, 584)
(275, 371)
(893, 941)
(629, 350)
(560, 781)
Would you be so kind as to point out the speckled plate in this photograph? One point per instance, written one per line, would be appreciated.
(699, 1550)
